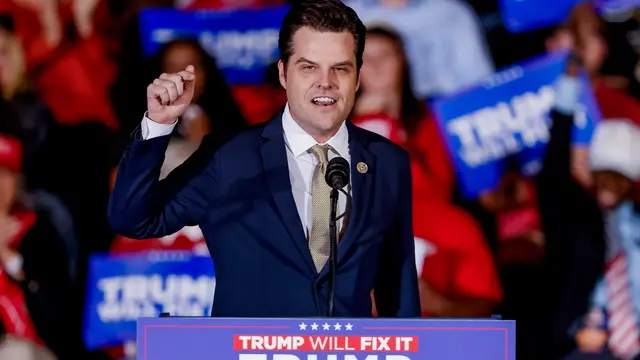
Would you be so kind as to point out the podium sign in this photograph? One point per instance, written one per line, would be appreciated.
(324, 339)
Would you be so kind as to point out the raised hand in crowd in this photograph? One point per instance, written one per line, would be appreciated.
(170, 95)
(83, 11)
(49, 16)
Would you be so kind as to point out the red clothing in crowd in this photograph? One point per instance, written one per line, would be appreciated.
(437, 176)
(383, 125)
(258, 103)
(14, 314)
(189, 238)
(616, 104)
(73, 78)
(13, 307)
(431, 170)
(452, 254)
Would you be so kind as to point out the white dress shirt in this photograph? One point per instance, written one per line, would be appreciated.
(301, 161)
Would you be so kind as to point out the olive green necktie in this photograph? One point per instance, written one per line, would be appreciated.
(319, 239)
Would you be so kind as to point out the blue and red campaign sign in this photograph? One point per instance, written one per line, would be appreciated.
(324, 339)
(505, 120)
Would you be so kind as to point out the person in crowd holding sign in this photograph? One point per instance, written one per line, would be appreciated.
(583, 34)
(261, 197)
(577, 219)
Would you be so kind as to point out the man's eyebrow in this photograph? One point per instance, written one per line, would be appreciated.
(341, 63)
(344, 63)
(305, 60)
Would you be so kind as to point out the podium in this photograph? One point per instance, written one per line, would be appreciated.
(177, 338)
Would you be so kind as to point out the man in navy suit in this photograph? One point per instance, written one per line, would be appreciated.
(260, 197)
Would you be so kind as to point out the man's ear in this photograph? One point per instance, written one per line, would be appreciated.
(282, 74)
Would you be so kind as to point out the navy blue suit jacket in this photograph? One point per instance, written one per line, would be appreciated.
(239, 193)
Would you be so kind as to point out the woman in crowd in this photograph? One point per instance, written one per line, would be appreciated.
(24, 106)
(213, 107)
(386, 104)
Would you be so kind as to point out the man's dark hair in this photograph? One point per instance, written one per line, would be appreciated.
(323, 16)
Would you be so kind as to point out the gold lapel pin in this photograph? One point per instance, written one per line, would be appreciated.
(362, 167)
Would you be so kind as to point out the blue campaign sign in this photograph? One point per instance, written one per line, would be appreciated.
(506, 117)
(325, 339)
(243, 42)
(527, 15)
(122, 288)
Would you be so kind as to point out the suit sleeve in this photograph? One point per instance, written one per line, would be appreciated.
(396, 287)
(142, 207)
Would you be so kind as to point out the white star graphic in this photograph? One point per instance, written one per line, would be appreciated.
(314, 326)
(303, 326)
(348, 327)
(337, 326)
(326, 326)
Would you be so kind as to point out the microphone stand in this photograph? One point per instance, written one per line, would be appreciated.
(333, 246)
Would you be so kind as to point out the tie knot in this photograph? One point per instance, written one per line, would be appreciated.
(321, 152)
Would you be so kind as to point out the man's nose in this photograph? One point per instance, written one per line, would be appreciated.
(327, 80)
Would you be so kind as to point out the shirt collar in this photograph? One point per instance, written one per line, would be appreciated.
(299, 141)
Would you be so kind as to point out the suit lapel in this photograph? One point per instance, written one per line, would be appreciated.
(362, 188)
(276, 167)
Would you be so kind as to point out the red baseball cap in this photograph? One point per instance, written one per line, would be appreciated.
(10, 153)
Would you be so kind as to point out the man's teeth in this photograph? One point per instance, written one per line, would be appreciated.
(323, 100)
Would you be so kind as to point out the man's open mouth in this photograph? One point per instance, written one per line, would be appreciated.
(323, 101)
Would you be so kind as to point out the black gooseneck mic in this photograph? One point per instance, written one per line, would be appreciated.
(337, 177)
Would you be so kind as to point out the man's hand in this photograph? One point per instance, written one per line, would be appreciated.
(169, 96)
(591, 340)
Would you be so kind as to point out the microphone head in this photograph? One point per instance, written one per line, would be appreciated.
(337, 174)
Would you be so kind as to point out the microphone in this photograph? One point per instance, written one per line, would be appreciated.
(337, 177)
(337, 174)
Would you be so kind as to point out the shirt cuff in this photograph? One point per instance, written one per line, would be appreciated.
(150, 129)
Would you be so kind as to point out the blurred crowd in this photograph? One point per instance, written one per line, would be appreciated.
(72, 79)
